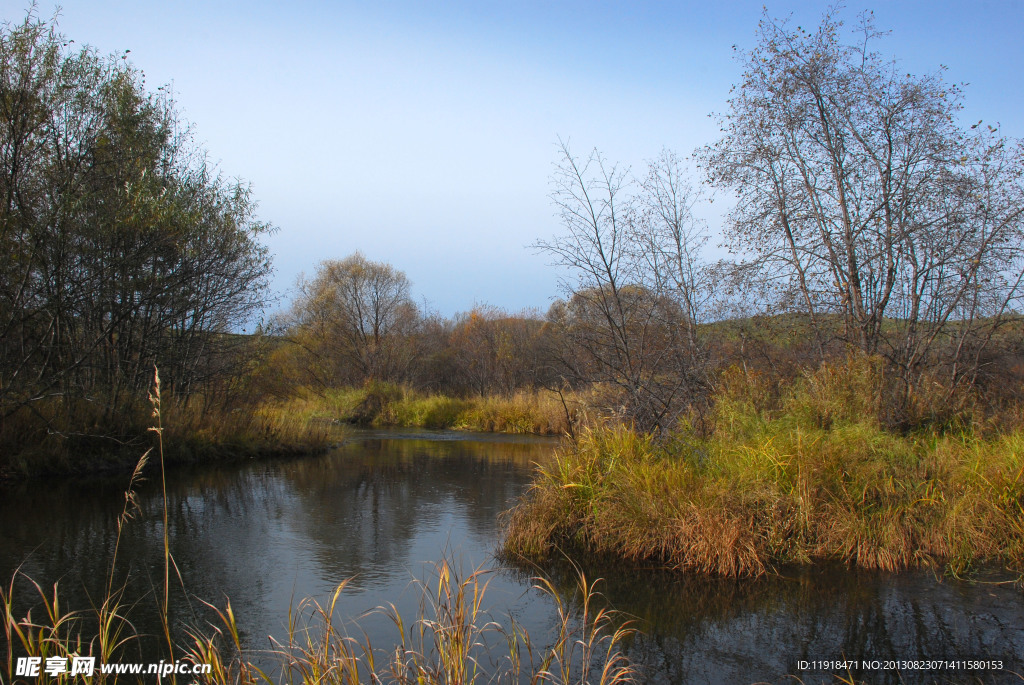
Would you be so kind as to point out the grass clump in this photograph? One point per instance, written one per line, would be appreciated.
(809, 476)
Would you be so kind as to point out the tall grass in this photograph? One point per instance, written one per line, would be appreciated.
(195, 433)
(810, 476)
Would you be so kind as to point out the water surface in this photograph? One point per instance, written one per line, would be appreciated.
(383, 506)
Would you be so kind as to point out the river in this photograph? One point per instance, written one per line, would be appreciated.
(384, 506)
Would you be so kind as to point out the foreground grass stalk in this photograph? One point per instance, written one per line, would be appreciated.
(158, 428)
(594, 644)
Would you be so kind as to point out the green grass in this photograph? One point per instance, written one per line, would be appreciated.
(807, 477)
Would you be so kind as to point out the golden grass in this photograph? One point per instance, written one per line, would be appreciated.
(272, 426)
(387, 404)
(452, 640)
(815, 479)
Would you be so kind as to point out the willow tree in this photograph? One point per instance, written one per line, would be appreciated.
(866, 203)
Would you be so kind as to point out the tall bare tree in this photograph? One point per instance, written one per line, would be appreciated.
(862, 198)
(629, 319)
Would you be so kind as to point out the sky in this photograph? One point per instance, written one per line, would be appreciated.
(424, 134)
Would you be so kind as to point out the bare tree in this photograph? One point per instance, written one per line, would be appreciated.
(629, 317)
(865, 203)
(668, 239)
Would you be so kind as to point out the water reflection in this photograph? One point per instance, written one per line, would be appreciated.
(378, 507)
(700, 630)
(267, 533)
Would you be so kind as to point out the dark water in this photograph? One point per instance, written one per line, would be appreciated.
(384, 506)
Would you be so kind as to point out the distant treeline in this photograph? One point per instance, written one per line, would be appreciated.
(355, 324)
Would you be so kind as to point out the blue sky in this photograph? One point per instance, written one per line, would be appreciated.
(423, 134)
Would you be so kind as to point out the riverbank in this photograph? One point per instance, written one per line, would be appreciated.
(813, 478)
(70, 442)
(303, 423)
(392, 405)
(381, 505)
